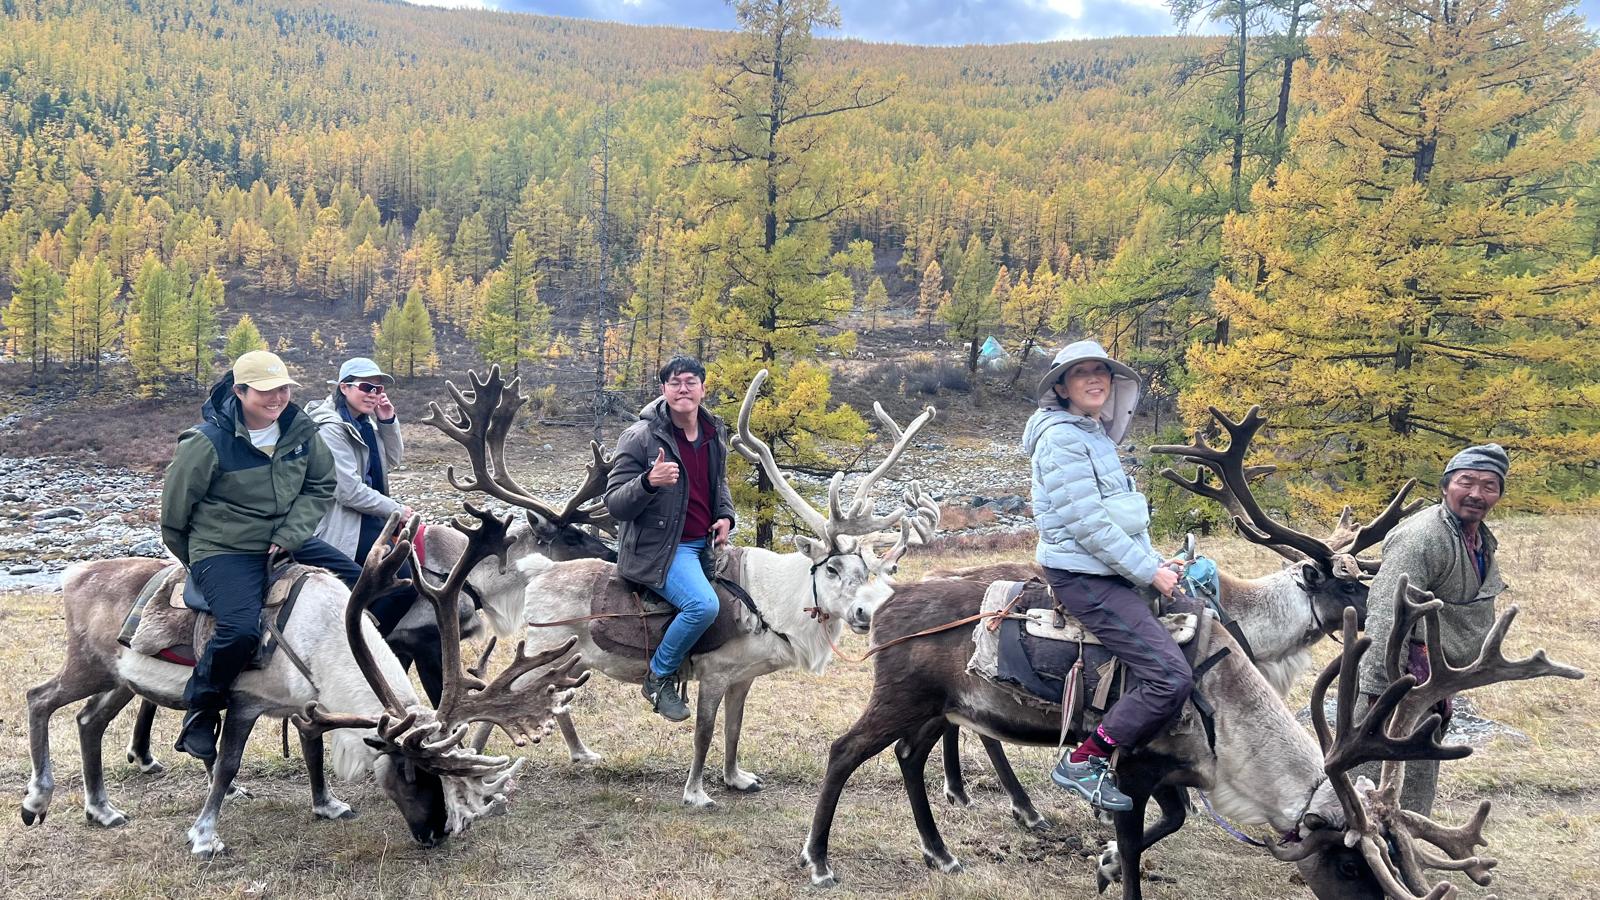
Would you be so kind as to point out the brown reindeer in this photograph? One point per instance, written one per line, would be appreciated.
(479, 421)
(1261, 769)
(415, 752)
(1281, 616)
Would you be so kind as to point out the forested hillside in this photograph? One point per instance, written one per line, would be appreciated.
(1390, 239)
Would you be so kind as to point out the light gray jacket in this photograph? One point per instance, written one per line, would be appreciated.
(1090, 517)
(1428, 546)
(341, 527)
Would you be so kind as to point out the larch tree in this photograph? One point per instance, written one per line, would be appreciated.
(243, 337)
(155, 325)
(971, 310)
(36, 294)
(513, 325)
(93, 293)
(472, 249)
(1028, 310)
(1421, 289)
(768, 188)
(198, 318)
(875, 303)
(404, 340)
(929, 291)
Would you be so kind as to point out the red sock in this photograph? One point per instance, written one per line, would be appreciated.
(1096, 744)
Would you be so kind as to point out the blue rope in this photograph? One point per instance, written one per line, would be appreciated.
(1223, 823)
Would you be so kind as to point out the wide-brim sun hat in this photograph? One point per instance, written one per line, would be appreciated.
(262, 370)
(364, 369)
(1077, 352)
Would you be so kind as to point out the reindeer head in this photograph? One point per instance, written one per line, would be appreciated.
(849, 580)
(480, 423)
(1328, 570)
(1367, 845)
(440, 785)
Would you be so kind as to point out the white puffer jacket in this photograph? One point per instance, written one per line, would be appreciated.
(341, 527)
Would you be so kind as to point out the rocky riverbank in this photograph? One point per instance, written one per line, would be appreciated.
(58, 511)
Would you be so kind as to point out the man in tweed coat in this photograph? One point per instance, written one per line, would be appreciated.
(1445, 549)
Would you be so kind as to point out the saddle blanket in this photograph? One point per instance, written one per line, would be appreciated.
(162, 626)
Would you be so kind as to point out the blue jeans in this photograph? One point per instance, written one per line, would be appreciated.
(697, 604)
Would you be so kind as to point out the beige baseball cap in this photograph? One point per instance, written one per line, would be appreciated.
(262, 370)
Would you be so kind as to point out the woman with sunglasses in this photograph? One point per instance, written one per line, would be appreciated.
(359, 425)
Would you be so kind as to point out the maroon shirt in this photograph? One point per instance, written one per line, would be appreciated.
(696, 466)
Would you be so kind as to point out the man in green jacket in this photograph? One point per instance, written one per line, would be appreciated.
(254, 478)
(1447, 550)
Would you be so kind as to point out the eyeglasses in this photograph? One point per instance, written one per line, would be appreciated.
(683, 384)
(367, 387)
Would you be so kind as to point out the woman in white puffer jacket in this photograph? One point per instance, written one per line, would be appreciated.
(1094, 544)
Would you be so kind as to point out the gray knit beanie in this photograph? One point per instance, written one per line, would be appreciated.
(1482, 458)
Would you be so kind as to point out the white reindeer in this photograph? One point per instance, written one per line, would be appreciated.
(805, 598)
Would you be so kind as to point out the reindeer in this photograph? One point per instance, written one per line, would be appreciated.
(439, 786)
(1261, 769)
(1281, 616)
(805, 599)
(480, 422)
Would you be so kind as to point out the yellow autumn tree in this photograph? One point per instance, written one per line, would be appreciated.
(1420, 286)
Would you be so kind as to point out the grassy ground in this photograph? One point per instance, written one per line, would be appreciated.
(617, 830)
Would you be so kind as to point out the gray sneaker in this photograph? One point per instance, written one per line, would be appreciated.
(1092, 780)
(664, 698)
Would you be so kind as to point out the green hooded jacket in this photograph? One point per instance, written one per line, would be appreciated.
(224, 495)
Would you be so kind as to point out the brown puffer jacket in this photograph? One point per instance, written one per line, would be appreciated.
(650, 521)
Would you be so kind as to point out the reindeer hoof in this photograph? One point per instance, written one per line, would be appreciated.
(752, 786)
(30, 818)
(149, 765)
(956, 797)
(701, 802)
(1031, 820)
(106, 818)
(238, 791)
(824, 881)
(946, 864)
(334, 811)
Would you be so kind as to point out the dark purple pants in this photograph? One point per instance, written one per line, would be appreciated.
(1121, 619)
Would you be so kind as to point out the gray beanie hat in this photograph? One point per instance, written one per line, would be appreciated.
(1482, 458)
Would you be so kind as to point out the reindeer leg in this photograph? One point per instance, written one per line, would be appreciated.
(139, 744)
(71, 685)
(1174, 810)
(92, 722)
(323, 803)
(1022, 808)
(576, 748)
(879, 726)
(236, 727)
(912, 754)
(955, 784)
(1120, 859)
(705, 725)
(732, 723)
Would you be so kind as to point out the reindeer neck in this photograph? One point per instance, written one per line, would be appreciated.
(1274, 613)
(781, 586)
(1266, 766)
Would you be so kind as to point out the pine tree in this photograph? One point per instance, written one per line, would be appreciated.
(405, 338)
(514, 324)
(875, 302)
(1421, 289)
(199, 323)
(35, 296)
(929, 291)
(971, 311)
(155, 327)
(243, 337)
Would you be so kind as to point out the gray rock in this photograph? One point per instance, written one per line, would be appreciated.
(108, 521)
(152, 548)
(12, 497)
(1010, 504)
(25, 569)
(59, 512)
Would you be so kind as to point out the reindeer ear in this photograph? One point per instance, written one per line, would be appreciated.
(1312, 576)
(816, 550)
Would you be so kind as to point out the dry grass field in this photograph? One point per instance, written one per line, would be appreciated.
(618, 830)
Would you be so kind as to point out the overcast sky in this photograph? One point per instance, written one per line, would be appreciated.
(904, 21)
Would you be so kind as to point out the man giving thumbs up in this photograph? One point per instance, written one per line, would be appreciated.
(668, 492)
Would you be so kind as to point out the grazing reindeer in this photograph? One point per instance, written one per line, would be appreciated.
(480, 423)
(439, 787)
(1261, 769)
(1282, 615)
(803, 599)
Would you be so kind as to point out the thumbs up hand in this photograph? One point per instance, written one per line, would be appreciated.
(662, 472)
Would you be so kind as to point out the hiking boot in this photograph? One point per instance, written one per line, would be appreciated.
(198, 737)
(664, 698)
(1092, 780)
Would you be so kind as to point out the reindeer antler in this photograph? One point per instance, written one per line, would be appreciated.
(481, 423)
(1257, 527)
(857, 517)
(1401, 725)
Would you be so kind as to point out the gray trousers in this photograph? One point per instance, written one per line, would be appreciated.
(1421, 777)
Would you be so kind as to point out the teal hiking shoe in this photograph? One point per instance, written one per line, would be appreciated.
(1092, 780)
(664, 697)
